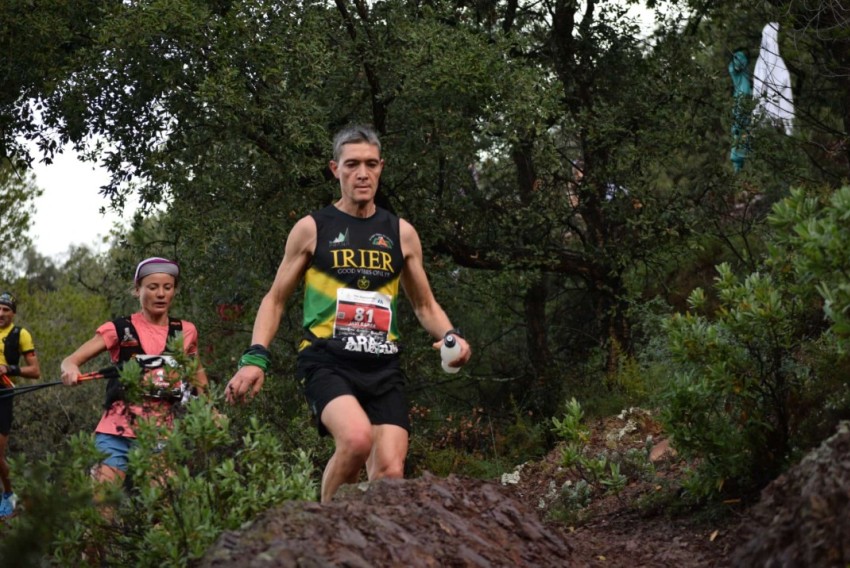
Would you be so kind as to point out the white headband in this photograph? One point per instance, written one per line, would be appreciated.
(156, 264)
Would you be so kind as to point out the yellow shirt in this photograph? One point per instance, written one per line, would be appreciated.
(26, 343)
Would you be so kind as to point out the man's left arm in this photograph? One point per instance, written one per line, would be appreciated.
(31, 370)
(414, 280)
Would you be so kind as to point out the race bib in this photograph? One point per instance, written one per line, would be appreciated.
(362, 313)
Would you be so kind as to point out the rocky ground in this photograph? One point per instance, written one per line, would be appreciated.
(634, 527)
(803, 517)
(523, 519)
(455, 521)
(537, 516)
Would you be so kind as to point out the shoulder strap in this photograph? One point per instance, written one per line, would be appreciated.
(129, 343)
(175, 327)
(12, 346)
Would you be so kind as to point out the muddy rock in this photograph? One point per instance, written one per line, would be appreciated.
(424, 522)
(803, 517)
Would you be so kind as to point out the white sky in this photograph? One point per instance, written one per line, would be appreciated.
(68, 213)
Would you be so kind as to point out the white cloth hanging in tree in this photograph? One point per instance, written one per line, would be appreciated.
(772, 82)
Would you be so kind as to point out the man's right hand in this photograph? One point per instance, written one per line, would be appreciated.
(245, 384)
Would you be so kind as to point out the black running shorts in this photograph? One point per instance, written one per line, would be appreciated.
(386, 405)
(5, 414)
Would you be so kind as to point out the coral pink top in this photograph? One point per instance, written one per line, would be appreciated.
(116, 419)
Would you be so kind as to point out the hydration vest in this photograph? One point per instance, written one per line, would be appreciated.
(129, 346)
(12, 346)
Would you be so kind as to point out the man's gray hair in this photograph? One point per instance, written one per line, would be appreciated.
(354, 135)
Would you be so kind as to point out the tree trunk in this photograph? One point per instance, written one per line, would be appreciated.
(541, 382)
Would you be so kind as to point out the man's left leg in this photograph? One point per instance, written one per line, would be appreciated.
(389, 450)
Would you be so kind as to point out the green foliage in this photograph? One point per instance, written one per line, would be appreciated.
(615, 481)
(206, 488)
(744, 381)
(60, 319)
(17, 194)
(475, 443)
(222, 112)
(729, 401)
(573, 498)
(39, 41)
(757, 380)
(570, 427)
(607, 471)
(522, 439)
(56, 493)
(815, 229)
(190, 482)
(451, 461)
(452, 441)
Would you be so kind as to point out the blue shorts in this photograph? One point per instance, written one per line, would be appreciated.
(116, 448)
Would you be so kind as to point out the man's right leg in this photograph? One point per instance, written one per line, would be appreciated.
(7, 503)
(5, 428)
(4, 466)
(352, 433)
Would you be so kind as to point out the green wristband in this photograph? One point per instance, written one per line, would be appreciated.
(251, 359)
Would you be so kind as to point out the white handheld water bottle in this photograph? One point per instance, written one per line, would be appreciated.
(450, 351)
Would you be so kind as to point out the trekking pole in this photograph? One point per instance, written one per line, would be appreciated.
(106, 373)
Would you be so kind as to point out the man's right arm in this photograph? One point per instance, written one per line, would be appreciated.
(298, 252)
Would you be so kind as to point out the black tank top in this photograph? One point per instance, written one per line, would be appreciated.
(352, 284)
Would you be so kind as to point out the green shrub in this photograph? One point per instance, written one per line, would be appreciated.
(189, 484)
(734, 378)
(607, 472)
(763, 378)
(812, 239)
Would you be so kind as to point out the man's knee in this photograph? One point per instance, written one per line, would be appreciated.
(393, 469)
(356, 442)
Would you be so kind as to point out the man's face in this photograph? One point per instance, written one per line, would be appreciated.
(358, 171)
(7, 316)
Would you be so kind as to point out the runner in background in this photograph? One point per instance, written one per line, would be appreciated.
(17, 346)
(144, 336)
